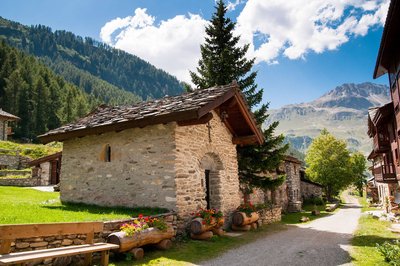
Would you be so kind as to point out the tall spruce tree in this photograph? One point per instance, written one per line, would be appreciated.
(222, 61)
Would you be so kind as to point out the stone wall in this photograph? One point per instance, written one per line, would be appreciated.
(309, 190)
(206, 147)
(36, 243)
(140, 173)
(3, 130)
(269, 216)
(292, 170)
(16, 172)
(12, 160)
(20, 182)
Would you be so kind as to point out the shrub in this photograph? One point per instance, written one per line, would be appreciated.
(247, 208)
(391, 252)
(314, 201)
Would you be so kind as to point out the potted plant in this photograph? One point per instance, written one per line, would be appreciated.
(204, 221)
(142, 231)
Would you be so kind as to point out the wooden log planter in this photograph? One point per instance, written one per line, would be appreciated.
(202, 231)
(242, 222)
(154, 236)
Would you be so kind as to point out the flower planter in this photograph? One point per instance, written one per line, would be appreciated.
(198, 225)
(148, 236)
(240, 218)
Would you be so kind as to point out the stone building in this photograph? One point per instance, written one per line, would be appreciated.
(309, 189)
(288, 195)
(5, 118)
(177, 152)
(47, 169)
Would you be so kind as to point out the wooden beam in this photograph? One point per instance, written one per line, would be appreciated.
(202, 120)
(214, 104)
(36, 230)
(245, 140)
(249, 118)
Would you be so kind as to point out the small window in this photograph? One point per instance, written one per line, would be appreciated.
(107, 153)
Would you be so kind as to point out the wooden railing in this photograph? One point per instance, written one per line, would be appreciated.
(381, 143)
(385, 173)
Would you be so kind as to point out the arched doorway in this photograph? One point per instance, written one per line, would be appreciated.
(212, 168)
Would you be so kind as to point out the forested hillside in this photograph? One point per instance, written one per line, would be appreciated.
(94, 66)
(40, 98)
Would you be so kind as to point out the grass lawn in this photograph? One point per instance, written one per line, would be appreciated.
(294, 218)
(24, 205)
(195, 251)
(370, 231)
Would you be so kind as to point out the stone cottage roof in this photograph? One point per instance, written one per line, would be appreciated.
(186, 109)
(48, 158)
(7, 116)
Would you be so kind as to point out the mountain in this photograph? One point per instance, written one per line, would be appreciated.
(42, 99)
(343, 111)
(97, 68)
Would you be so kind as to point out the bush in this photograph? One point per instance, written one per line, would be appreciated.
(314, 201)
(391, 252)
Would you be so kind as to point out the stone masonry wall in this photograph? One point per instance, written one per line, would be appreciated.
(293, 186)
(27, 244)
(206, 147)
(3, 134)
(310, 190)
(140, 173)
(20, 182)
(11, 161)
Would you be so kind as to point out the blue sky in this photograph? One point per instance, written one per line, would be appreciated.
(303, 48)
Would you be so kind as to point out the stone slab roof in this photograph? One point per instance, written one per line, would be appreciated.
(188, 106)
(8, 116)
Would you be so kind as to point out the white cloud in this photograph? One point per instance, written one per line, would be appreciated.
(173, 44)
(273, 28)
(296, 27)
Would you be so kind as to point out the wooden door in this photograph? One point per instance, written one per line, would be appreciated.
(55, 177)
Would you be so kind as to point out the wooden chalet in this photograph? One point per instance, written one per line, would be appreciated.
(384, 122)
(5, 118)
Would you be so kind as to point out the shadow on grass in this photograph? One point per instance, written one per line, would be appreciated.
(94, 209)
(370, 240)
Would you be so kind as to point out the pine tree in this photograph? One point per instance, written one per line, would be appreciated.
(222, 61)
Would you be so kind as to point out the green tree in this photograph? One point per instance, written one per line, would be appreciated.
(358, 166)
(329, 163)
(223, 61)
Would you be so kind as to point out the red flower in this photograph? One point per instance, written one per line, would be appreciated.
(140, 216)
(146, 219)
(203, 222)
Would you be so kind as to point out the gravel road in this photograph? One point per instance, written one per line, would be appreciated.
(325, 241)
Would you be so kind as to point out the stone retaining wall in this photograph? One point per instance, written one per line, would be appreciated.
(37, 243)
(20, 182)
(269, 216)
(16, 172)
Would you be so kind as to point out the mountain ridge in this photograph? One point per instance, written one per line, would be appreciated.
(342, 110)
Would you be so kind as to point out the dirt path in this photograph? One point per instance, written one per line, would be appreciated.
(325, 241)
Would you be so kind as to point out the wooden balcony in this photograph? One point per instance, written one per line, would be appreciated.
(385, 173)
(381, 143)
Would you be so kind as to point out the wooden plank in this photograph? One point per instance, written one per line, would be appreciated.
(202, 120)
(217, 102)
(37, 230)
(89, 240)
(54, 253)
(5, 246)
(104, 257)
(245, 140)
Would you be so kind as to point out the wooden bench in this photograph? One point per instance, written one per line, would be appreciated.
(9, 233)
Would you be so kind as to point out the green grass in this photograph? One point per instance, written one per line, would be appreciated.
(294, 218)
(195, 251)
(365, 205)
(24, 205)
(32, 151)
(370, 232)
